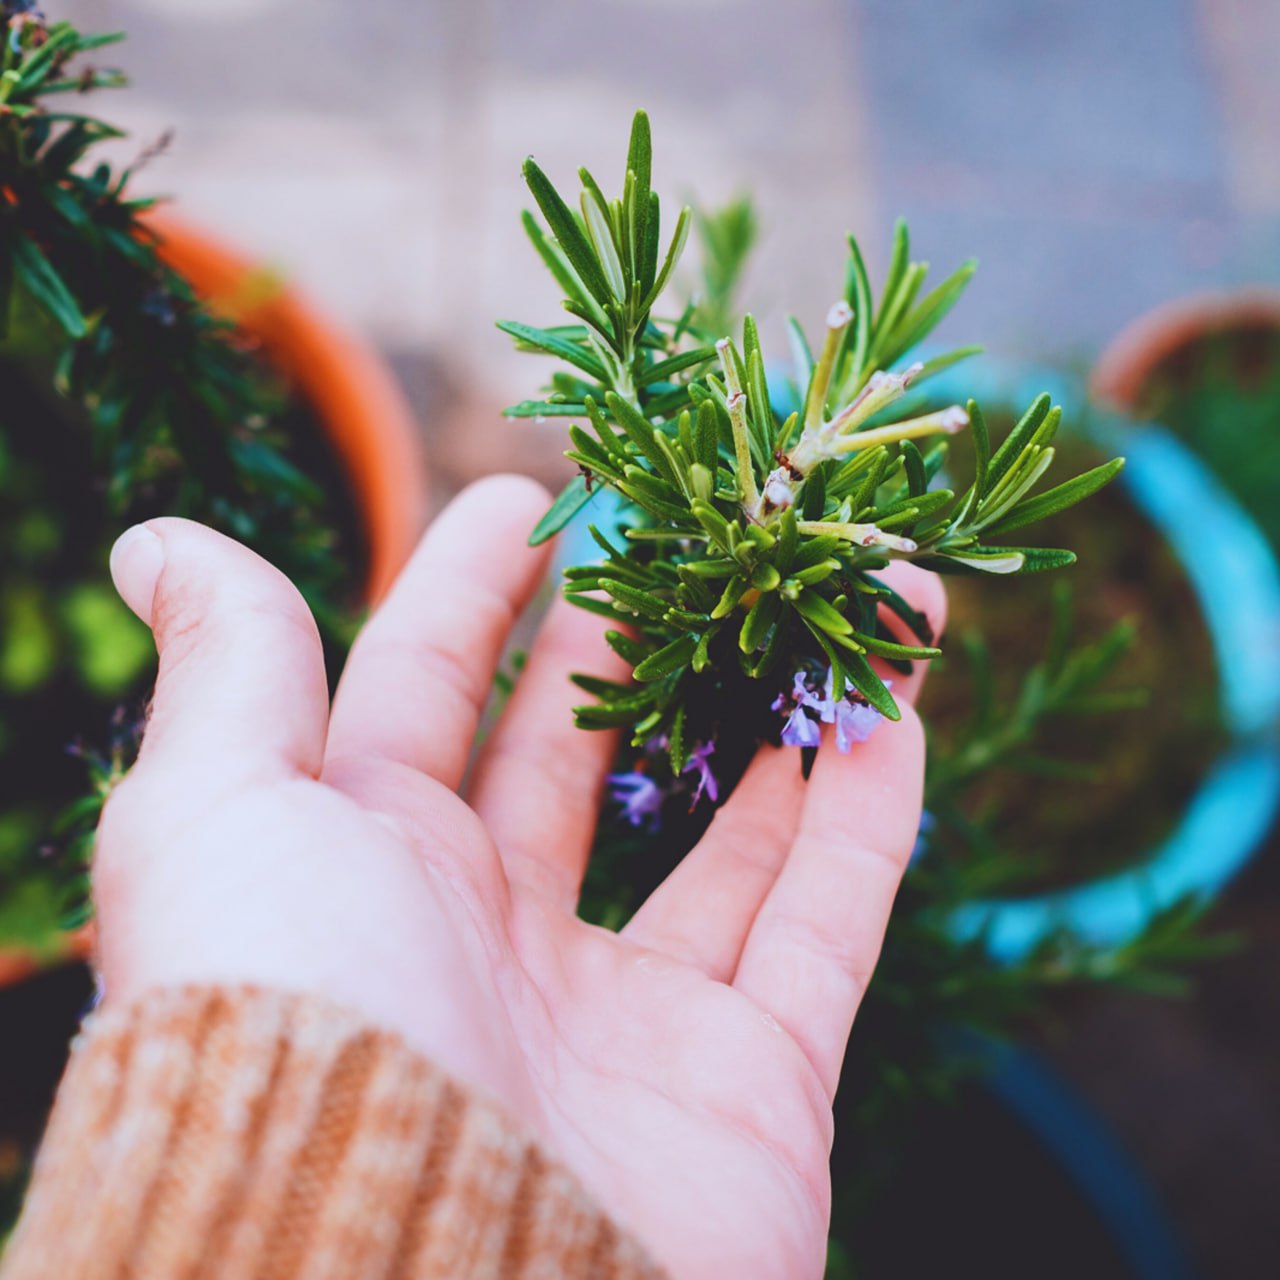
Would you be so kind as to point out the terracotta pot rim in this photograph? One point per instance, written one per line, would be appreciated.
(356, 398)
(16, 965)
(1128, 361)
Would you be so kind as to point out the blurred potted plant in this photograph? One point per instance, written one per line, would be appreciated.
(1207, 367)
(1192, 786)
(146, 369)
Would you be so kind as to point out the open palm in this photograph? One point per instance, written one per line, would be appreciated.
(683, 1069)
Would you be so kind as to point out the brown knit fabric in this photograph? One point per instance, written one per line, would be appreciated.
(208, 1133)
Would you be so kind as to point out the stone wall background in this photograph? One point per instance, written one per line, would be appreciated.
(1098, 157)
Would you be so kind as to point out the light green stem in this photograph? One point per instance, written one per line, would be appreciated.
(861, 535)
(838, 319)
(944, 422)
(737, 405)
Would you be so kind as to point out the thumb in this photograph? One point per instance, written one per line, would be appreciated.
(241, 688)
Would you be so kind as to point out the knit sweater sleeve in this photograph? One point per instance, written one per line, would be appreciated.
(210, 1133)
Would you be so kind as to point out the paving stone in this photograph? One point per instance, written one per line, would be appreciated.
(1242, 42)
(1096, 157)
(1077, 149)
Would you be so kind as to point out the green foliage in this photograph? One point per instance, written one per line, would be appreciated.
(121, 397)
(77, 823)
(752, 535)
(605, 257)
(1118, 781)
(183, 416)
(111, 647)
(1068, 680)
(726, 237)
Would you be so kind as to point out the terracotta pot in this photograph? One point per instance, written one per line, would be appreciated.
(1150, 342)
(356, 400)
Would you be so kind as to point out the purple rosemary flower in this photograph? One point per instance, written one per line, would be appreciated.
(854, 718)
(706, 779)
(855, 722)
(640, 797)
(801, 729)
(803, 694)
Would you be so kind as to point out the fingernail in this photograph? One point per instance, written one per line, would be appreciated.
(136, 562)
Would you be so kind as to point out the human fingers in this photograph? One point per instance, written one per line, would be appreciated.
(701, 912)
(815, 941)
(241, 687)
(240, 701)
(422, 669)
(539, 777)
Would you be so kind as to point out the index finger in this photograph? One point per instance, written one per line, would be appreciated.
(421, 671)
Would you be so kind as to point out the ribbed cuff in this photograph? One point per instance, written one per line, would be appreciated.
(212, 1133)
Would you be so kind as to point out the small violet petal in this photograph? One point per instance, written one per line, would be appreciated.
(706, 779)
(640, 797)
(855, 722)
(801, 730)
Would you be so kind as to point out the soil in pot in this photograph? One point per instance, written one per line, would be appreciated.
(1123, 776)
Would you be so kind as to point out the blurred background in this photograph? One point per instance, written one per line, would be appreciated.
(1098, 158)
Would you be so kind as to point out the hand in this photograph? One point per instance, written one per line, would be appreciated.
(683, 1069)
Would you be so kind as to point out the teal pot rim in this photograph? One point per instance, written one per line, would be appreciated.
(1236, 580)
(1087, 1150)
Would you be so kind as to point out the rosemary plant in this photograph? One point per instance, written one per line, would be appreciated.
(748, 576)
(755, 512)
(183, 416)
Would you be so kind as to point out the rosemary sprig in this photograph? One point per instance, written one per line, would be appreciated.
(753, 536)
